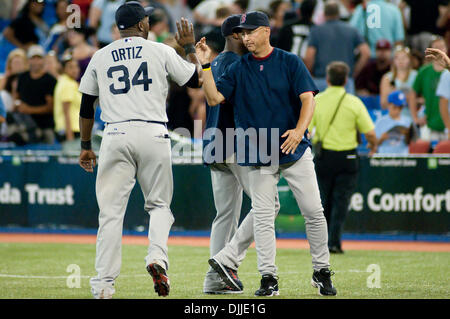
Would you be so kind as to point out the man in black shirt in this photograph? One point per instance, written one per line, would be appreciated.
(35, 89)
(293, 35)
(22, 30)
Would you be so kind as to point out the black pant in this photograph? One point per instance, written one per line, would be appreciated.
(337, 174)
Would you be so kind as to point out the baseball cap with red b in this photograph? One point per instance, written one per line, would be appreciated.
(252, 20)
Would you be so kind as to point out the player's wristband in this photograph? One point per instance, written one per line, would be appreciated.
(206, 66)
(189, 48)
(86, 145)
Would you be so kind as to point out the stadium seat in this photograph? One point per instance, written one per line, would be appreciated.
(419, 147)
(443, 147)
(371, 102)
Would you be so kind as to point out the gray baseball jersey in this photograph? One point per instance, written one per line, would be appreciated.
(130, 77)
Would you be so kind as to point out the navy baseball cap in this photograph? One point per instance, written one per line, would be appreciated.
(229, 23)
(252, 20)
(397, 98)
(130, 14)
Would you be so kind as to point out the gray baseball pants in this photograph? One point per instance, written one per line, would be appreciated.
(301, 178)
(128, 151)
(228, 181)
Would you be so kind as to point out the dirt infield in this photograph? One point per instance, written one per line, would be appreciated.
(204, 242)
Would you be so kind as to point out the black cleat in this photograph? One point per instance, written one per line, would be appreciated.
(160, 279)
(322, 279)
(335, 250)
(228, 275)
(269, 287)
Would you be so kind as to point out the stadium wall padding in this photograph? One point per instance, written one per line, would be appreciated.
(394, 195)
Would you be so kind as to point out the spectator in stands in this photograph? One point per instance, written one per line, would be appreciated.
(432, 126)
(401, 77)
(79, 48)
(337, 117)
(49, 15)
(8, 11)
(319, 14)
(52, 65)
(84, 6)
(16, 62)
(424, 20)
(213, 34)
(102, 17)
(67, 101)
(383, 23)
(239, 6)
(163, 5)
(7, 96)
(443, 91)
(335, 41)
(2, 115)
(294, 35)
(159, 27)
(176, 10)
(35, 95)
(367, 82)
(57, 31)
(277, 8)
(394, 129)
(205, 14)
(444, 23)
(417, 59)
(28, 28)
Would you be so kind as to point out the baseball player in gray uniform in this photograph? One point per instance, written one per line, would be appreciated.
(129, 77)
(228, 179)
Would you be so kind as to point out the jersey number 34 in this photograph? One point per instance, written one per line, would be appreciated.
(140, 78)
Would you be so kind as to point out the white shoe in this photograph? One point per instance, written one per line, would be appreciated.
(104, 293)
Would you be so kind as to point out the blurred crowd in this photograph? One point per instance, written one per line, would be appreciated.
(46, 45)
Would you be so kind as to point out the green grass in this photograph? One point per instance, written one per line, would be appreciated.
(403, 274)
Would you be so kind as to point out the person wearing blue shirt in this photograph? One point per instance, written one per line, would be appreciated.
(393, 129)
(227, 178)
(378, 19)
(2, 116)
(335, 40)
(272, 94)
(101, 17)
(443, 91)
(2, 111)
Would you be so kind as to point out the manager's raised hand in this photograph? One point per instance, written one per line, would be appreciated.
(203, 51)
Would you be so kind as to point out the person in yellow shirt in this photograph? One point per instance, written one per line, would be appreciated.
(67, 101)
(337, 117)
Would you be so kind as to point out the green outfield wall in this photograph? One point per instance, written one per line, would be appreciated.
(394, 195)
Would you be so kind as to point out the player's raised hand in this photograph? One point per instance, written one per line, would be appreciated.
(203, 51)
(87, 160)
(185, 32)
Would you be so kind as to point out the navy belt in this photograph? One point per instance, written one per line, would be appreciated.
(137, 120)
